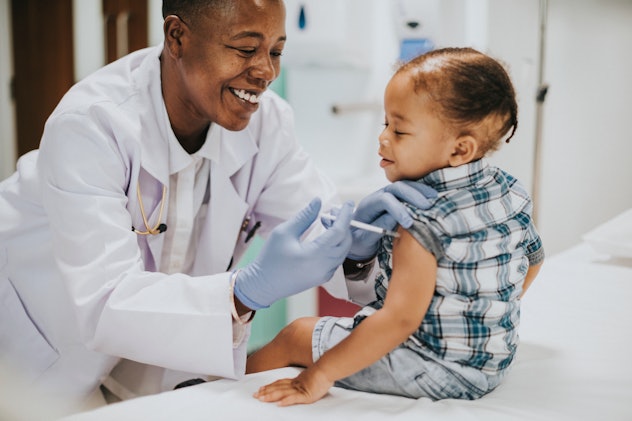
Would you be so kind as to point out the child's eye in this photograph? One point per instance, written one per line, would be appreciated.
(395, 132)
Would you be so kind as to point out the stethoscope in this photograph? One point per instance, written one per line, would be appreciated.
(160, 227)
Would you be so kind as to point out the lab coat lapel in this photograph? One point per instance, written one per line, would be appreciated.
(222, 226)
(227, 207)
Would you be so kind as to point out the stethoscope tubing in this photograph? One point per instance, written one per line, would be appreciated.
(159, 227)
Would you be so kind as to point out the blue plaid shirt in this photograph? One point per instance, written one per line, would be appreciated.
(480, 230)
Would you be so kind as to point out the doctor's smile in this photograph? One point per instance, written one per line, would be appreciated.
(250, 97)
(247, 101)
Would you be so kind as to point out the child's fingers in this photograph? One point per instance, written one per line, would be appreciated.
(274, 391)
(285, 392)
(295, 397)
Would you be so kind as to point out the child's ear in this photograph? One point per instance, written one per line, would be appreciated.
(465, 151)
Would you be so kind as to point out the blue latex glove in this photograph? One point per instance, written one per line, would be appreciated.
(383, 208)
(286, 266)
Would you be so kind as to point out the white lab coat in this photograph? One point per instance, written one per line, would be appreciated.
(78, 289)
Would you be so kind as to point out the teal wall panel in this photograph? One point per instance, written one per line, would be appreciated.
(268, 321)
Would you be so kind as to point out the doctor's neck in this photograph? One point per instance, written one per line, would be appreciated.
(192, 142)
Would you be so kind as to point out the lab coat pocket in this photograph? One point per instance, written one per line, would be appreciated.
(22, 346)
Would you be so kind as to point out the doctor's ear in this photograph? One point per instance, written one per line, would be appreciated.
(465, 151)
(174, 29)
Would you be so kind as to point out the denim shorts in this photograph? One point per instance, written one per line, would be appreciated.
(405, 371)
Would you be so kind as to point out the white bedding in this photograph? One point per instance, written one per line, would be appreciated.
(574, 363)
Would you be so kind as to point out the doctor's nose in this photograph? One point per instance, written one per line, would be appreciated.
(265, 69)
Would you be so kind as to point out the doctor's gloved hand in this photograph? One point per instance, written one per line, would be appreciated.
(384, 208)
(286, 265)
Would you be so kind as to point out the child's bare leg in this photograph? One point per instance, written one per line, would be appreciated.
(291, 347)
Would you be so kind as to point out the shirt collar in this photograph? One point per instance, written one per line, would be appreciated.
(180, 159)
(457, 177)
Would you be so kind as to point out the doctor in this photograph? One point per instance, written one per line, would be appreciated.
(119, 237)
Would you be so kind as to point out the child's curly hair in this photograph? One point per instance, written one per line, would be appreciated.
(472, 90)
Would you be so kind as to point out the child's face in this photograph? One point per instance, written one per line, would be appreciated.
(414, 141)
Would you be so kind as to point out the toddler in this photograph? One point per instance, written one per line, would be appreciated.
(444, 323)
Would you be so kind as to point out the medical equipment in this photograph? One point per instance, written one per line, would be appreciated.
(363, 226)
(159, 227)
(249, 233)
(417, 26)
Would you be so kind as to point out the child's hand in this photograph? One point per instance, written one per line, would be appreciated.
(307, 387)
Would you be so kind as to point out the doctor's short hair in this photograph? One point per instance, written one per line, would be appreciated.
(472, 91)
(190, 10)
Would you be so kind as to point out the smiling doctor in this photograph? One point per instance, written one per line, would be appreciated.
(119, 236)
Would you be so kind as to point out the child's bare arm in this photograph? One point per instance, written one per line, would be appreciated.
(410, 290)
(409, 293)
(532, 272)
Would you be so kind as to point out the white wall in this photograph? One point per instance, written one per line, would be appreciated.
(89, 47)
(587, 141)
(155, 22)
(514, 41)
